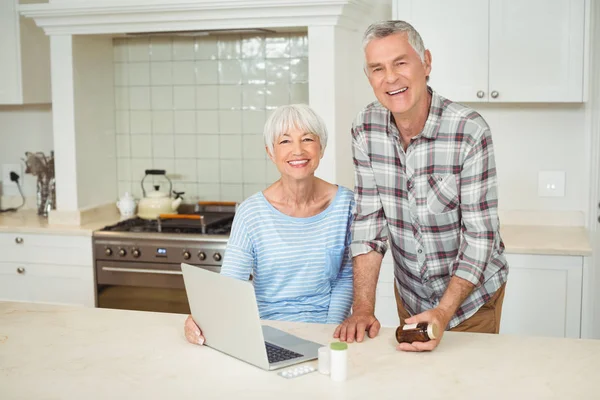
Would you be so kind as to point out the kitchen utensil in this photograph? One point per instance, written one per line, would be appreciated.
(156, 202)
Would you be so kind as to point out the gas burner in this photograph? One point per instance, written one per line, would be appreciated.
(214, 224)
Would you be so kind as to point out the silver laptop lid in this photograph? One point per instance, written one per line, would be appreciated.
(226, 311)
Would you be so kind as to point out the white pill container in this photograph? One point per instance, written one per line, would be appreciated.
(338, 361)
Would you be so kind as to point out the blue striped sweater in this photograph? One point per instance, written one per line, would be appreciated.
(301, 266)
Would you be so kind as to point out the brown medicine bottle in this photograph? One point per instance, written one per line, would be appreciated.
(421, 332)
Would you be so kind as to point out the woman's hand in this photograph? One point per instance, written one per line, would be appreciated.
(193, 334)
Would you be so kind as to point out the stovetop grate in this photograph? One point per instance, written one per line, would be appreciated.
(215, 224)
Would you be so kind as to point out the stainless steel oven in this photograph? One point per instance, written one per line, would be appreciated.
(139, 268)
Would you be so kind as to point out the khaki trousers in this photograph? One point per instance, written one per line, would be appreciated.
(485, 320)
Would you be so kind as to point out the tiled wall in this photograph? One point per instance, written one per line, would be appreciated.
(195, 106)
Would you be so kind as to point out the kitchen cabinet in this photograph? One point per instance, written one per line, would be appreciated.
(25, 55)
(502, 50)
(46, 268)
(542, 298)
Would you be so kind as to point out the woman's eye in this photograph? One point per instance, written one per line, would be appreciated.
(284, 141)
(309, 139)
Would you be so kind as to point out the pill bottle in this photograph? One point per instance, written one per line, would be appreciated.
(421, 332)
(338, 361)
(324, 360)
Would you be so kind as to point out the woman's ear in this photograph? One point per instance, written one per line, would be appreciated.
(269, 153)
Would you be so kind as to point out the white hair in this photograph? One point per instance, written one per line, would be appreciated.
(294, 116)
(383, 29)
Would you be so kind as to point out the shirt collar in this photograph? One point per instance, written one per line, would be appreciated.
(432, 124)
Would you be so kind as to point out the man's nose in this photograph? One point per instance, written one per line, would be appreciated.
(390, 75)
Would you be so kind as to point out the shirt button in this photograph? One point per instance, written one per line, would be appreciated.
(420, 251)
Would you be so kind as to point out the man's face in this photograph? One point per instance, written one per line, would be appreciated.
(396, 73)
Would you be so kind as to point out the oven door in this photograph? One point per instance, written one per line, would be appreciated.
(142, 286)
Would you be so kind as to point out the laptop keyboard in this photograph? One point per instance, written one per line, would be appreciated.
(278, 354)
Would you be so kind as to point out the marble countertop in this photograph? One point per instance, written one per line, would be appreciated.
(73, 353)
(525, 239)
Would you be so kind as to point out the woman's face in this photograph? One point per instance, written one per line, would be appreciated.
(296, 154)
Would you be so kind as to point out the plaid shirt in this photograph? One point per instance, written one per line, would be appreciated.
(435, 204)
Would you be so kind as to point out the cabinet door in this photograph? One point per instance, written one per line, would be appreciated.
(13, 283)
(456, 33)
(536, 50)
(543, 296)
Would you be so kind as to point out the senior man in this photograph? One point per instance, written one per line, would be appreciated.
(425, 186)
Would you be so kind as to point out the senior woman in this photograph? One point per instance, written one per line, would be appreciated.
(294, 236)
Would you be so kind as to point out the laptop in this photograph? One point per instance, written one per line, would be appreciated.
(225, 309)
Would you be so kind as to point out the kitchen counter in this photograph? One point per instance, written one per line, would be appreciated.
(557, 240)
(65, 352)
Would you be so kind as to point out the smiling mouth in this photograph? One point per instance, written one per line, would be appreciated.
(298, 163)
(392, 93)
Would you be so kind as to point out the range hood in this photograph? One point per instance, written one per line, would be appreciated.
(81, 33)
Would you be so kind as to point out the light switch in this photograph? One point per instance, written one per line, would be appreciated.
(551, 184)
(9, 188)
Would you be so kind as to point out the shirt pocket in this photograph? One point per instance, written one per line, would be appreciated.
(334, 257)
(442, 193)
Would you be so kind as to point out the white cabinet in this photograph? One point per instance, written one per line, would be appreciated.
(542, 298)
(24, 58)
(502, 50)
(45, 268)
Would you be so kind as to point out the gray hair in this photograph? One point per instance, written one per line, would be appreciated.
(383, 29)
(294, 116)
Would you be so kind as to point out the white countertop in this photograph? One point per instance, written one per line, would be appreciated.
(557, 240)
(76, 353)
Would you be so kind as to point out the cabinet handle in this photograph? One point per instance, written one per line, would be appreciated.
(480, 94)
(21, 270)
(495, 94)
(19, 240)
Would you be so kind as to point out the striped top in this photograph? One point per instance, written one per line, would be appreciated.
(301, 267)
(434, 205)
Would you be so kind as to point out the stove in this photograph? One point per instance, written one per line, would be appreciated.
(137, 262)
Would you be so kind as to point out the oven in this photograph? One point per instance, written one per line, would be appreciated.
(138, 268)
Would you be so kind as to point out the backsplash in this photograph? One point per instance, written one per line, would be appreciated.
(196, 106)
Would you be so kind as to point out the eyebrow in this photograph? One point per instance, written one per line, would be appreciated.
(399, 58)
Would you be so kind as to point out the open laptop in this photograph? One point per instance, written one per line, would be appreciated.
(226, 310)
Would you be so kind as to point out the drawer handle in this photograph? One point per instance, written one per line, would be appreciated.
(21, 270)
(142, 271)
(19, 240)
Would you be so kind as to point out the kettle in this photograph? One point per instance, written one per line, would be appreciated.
(156, 202)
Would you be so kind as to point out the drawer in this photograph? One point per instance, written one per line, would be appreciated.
(46, 249)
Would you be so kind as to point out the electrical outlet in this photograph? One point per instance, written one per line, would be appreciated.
(551, 184)
(9, 188)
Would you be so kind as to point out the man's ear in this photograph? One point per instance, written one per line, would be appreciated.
(427, 63)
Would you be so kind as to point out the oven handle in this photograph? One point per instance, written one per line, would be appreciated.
(142, 271)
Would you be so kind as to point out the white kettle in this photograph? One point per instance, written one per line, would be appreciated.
(156, 202)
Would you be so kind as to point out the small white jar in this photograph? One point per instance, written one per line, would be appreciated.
(338, 361)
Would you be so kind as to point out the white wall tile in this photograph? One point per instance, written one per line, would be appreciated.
(253, 188)
(253, 147)
(254, 71)
(186, 169)
(161, 48)
(140, 122)
(141, 146)
(120, 50)
(163, 146)
(138, 168)
(230, 72)
(185, 146)
(123, 146)
(207, 147)
(232, 192)
(278, 70)
(168, 164)
(122, 98)
(230, 122)
(139, 74)
(230, 97)
(254, 171)
(122, 121)
(209, 191)
(185, 122)
(124, 187)
(161, 73)
(231, 171)
(298, 45)
(278, 95)
(162, 121)
(208, 171)
(254, 97)
(207, 97)
(299, 93)
(139, 98)
(206, 48)
(190, 189)
(162, 97)
(277, 46)
(253, 47)
(139, 49)
(184, 73)
(124, 169)
(299, 70)
(273, 173)
(229, 47)
(184, 48)
(121, 74)
(230, 147)
(207, 121)
(184, 97)
(253, 121)
(207, 72)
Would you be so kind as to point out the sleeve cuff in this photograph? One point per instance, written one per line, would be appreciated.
(469, 274)
(359, 248)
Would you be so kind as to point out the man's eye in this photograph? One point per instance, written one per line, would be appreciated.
(398, 63)
(377, 69)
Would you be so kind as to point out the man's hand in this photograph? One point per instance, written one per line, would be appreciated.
(355, 326)
(436, 316)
